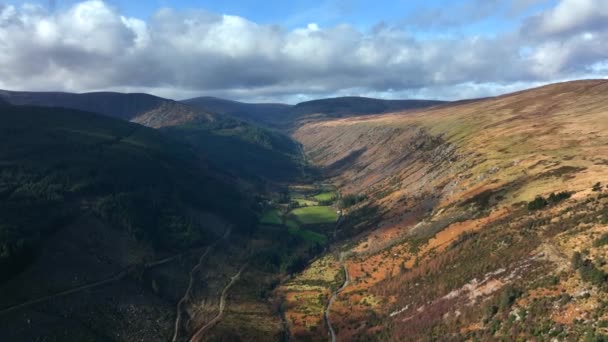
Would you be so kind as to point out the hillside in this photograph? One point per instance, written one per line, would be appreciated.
(87, 200)
(353, 106)
(63, 164)
(257, 155)
(468, 218)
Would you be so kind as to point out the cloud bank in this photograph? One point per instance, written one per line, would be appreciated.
(91, 46)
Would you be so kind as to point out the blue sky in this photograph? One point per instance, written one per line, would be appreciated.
(297, 50)
(363, 14)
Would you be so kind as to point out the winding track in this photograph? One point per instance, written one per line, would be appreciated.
(186, 297)
(198, 336)
(333, 297)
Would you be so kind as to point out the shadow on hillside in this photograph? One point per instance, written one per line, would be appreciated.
(341, 165)
(242, 158)
(359, 221)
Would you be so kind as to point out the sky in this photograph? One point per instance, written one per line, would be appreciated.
(292, 51)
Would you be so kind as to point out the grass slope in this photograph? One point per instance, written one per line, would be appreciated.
(325, 197)
(315, 215)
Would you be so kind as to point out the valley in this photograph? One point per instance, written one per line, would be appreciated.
(475, 220)
(286, 171)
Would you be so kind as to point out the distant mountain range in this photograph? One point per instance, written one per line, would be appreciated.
(157, 112)
(239, 147)
(282, 115)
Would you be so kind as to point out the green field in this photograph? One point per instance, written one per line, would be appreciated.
(325, 196)
(272, 217)
(308, 235)
(315, 215)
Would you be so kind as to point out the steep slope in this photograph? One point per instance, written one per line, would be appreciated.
(545, 123)
(257, 155)
(62, 164)
(451, 236)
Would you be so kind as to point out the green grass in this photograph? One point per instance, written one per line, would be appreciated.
(308, 235)
(325, 196)
(272, 217)
(315, 215)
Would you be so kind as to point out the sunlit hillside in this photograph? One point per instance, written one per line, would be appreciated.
(454, 214)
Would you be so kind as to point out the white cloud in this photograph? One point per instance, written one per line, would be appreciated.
(573, 16)
(91, 46)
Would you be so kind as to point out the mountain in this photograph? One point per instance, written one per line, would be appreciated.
(286, 116)
(157, 112)
(247, 151)
(480, 220)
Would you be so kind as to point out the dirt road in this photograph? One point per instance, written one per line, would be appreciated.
(182, 302)
(332, 333)
(198, 336)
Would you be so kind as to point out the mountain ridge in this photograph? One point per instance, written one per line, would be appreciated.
(288, 116)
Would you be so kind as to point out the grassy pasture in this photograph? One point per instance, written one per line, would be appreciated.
(315, 215)
(325, 196)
